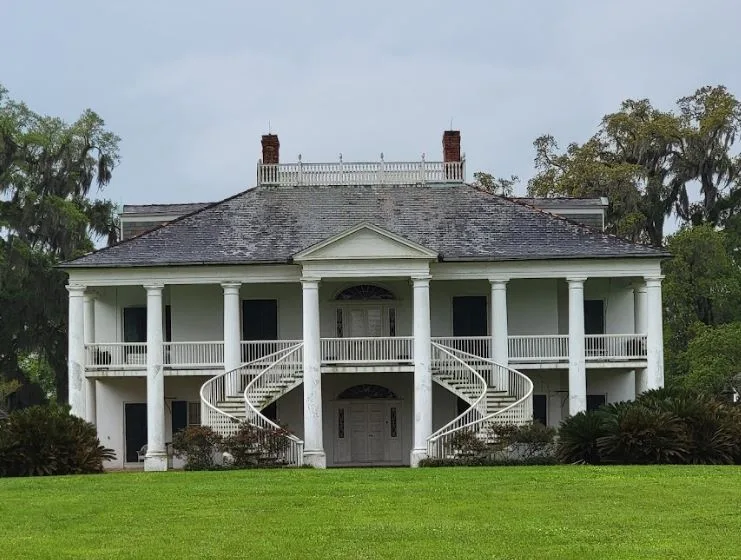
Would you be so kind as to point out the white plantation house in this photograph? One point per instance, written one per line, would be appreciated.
(375, 310)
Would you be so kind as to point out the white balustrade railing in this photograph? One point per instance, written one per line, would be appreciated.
(535, 348)
(474, 345)
(253, 349)
(284, 372)
(361, 173)
(120, 355)
(615, 346)
(193, 354)
(381, 349)
(477, 419)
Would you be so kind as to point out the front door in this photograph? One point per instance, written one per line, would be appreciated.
(367, 432)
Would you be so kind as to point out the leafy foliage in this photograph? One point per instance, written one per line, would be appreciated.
(47, 170)
(199, 446)
(662, 426)
(254, 447)
(47, 440)
(494, 185)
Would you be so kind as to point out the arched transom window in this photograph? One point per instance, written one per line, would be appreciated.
(364, 292)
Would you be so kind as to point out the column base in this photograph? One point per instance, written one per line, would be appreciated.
(315, 458)
(416, 456)
(641, 381)
(155, 462)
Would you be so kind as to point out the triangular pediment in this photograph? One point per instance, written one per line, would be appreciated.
(365, 241)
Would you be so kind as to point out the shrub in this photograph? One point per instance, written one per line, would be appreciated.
(577, 438)
(467, 443)
(198, 445)
(518, 444)
(638, 435)
(487, 462)
(255, 447)
(47, 440)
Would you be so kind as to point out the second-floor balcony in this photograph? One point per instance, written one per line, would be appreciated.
(524, 351)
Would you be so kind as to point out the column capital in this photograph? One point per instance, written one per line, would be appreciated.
(500, 283)
(231, 286)
(576, 280)
(421, 280)
(639, 285)
(76, 290)
(653, 281)
(310, 281)
(154, 287)
(91, 295)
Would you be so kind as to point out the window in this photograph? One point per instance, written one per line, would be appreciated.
(135, 324)
(194, 413)
(540, 410)
(260, 319)
(595, 401)
(341, 423)
(364, 292)
(393, 421)
(469, 316)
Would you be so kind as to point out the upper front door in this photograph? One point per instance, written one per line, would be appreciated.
(365, 320)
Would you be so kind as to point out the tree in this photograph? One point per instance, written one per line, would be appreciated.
(645, 161)
(501, 186)
(47, 170)
(713, 359)
(702, 288)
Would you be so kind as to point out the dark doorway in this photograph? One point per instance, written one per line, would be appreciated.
(469, 319)
(595, 401)
(259, 322)
(135, 419)
(540, 413)
(135, 324)
(594, 316)
(179, 416)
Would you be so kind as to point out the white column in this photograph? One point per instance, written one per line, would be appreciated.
(76, 350)
(232, 334)
(422, 372)
(654, 333)
(89, 331)
(500, 350)
(313, 433)
(639, 315)
(156, 458)
(577, 365)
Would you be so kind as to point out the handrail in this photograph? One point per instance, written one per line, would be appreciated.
(294, 452)
(439, 441)
(475, 406)
(228, 383)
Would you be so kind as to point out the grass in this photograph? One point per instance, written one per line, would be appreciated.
(520, 512)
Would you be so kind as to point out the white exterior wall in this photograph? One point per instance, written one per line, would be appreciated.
(532, 306)
(617, 293)
(441, 302)
(113, 393)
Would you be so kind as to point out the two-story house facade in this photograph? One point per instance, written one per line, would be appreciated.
(374, 310)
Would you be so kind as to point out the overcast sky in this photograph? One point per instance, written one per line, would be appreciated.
(190, 86)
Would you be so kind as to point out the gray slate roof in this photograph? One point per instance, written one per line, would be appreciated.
(556, 203)
(271, 224)
(169, 209)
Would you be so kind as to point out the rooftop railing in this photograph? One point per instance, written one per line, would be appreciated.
(361, 173)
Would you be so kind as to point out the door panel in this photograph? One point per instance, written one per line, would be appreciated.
(376, 415)
(135, 422)
(358, 433)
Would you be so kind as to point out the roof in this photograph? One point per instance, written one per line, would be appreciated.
(271, 224)
(555, 203)
(167, 209)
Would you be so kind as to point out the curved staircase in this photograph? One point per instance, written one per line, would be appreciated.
(240, 395)
(494, 393)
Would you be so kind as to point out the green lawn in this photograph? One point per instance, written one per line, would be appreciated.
(533, 512)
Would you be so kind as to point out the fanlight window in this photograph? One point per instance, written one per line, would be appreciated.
(367, 391)
(364, 292)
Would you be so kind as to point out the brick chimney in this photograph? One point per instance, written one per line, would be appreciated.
(270, 149)
(451, 146)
